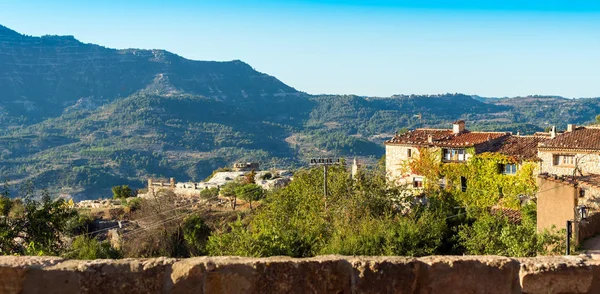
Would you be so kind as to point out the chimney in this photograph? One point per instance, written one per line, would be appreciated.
(571, 127)
(458, 127)
(429, 138)
(553, 132)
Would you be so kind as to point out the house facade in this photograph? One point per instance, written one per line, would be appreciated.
(455, 146)
(574, 152)
(570, 180)
(566, 166)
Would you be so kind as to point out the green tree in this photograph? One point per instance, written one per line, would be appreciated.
(5, 201)
(229, 190)
(196, 233)
(122, 192)
(250, 192)
(45, 222)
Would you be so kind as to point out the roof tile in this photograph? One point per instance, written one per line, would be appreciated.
(445, 138)
(586, 138)
(519, 147)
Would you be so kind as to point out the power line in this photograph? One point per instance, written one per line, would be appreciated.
(147, 217)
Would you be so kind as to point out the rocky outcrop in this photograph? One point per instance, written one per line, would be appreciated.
(326, 274)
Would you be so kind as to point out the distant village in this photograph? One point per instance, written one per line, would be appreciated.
(265, 179)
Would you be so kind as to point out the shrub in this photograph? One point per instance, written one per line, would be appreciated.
(84, 247)
(196, 233)
(122, 192)
(267, 176)
(210, 193)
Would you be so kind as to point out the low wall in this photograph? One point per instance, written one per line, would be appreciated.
(325, 274)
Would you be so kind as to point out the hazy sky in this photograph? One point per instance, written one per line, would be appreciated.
(376, 48)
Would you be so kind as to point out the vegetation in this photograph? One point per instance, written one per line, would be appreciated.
(122, 192)
(360, 216)
(33, 226)
(487, 186)
(210, 193)
(196, 233)
(85, 247)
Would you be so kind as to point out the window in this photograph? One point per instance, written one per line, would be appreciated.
(417, 182)
(409, 153)
(454, 155)
(508, 169)
(564, 159)
(463, 184)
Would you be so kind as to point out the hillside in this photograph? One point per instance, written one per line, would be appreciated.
(80, 118)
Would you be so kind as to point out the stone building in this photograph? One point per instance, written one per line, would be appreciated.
(568, 165)
(245, 167)
(574, 152)
(456, 145)
(570, 180)
(561, 198)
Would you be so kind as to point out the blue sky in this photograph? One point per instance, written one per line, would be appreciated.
(375, 48)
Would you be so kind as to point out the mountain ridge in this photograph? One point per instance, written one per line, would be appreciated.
(80, 118)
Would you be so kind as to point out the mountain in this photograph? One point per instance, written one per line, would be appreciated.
(41, 77)
(80, 118)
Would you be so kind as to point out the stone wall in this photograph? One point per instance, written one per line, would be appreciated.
(326, 274)
(588, 163)
(396, 157)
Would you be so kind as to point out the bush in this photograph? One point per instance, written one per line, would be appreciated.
(210, 193)
(87, 248)
(132, 204)
(79, 224)
(266, 176)
(196, 233)
(399, 235)
(122, 192)
(496, 235)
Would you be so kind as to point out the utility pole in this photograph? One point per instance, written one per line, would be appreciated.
(325, 162)
(325, 185)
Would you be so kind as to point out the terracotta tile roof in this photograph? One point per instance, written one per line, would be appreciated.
(513, 215)
(582, 138)
(519, 147)
(590, 180)
(445, 138)
(567, 180)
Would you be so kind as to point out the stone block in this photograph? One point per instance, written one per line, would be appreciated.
(468, 274)
(324, 274)
(556, 275)
(124, 276)
(385, 274)
(13, 271)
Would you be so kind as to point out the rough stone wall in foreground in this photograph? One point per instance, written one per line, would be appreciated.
(326, 274)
